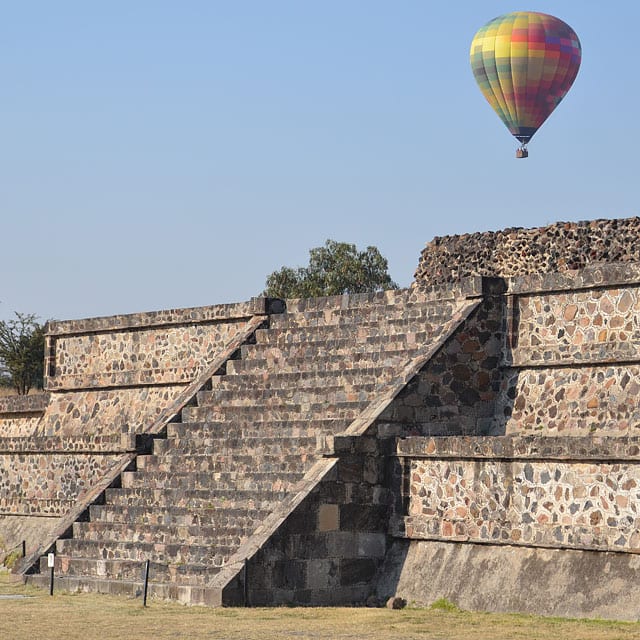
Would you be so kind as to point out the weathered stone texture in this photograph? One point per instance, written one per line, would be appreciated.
(572, 359)
(48, 484)
(14, 529)
(593, 325)
(456, 391)
(587, 505)
(136, 356)
(513, 252)
(21, 415)
(573, 400)
(108, 411)
(509, 578)
(328, 550)
(19, 425)
(110, 379)
(34, 403)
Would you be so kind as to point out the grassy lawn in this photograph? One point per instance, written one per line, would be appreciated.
(89, 617)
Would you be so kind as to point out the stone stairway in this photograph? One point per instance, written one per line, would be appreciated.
(248, 442)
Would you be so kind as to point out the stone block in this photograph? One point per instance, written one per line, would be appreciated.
(322, 573)
(288, 574)
(357, 570)
(329, 517)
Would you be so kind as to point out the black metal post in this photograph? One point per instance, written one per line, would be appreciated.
(146, 583)
(245, 584)
(51, 582)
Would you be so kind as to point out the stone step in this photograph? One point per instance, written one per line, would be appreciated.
(359, 329)
(232, 460)
(345, 347)
(192, 499)
(211, 535)
(394, 316)
(336, 309)
(250, 428)
(176, 553)
(337, 392)
(260, 481)
(185, 594)
(302, 379)
(274, 412)
(203, 443)
(169, 515)
(387, 359)
(199, 574)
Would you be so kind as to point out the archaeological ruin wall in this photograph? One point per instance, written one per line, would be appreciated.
(109, 382)
(541, 412)
(501, 472)
(556, 248)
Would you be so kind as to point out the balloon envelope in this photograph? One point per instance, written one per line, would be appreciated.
(524, 63)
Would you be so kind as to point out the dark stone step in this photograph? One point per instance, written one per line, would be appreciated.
(199, 574)
(358, 330)
(274, 412)
(387, 303)
(257, 365)
(249, 428)
(221, 480)
(237, 460)
(192, 499)
(209, 535)
(221, 514)
(203, 443)
(346, 347)
(339, 391)
(303, 379)
(140, 551)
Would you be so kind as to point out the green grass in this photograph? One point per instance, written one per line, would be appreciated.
(442, 604)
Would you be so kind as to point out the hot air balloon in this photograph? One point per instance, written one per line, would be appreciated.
(525, 63)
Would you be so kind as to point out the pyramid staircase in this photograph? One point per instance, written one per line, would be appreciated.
(251, 441)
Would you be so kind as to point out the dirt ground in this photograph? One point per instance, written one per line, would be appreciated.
(26, 614)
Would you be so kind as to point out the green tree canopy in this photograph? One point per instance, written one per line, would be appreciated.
(334, 269)
(22, 353)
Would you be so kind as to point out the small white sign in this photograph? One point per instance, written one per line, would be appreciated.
(51, 560)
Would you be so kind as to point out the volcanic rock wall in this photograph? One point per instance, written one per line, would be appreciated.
(559, 247)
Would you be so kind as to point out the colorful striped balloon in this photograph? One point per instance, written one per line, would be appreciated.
(524, 63)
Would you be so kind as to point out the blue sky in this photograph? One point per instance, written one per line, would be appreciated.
(160, 154)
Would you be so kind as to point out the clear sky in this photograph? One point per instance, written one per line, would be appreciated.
(162, 153)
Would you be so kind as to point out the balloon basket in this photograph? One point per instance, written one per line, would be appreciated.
(522, 153)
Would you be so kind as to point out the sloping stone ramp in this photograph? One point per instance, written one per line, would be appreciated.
(259, 440)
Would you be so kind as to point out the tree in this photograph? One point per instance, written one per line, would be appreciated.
(334, 269)
(22, 353)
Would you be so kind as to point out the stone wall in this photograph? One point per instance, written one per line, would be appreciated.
(553, 354)
(166, 347)
(512, 252)
(49, 483)
(525, 491)
(107, 379)
(506, 578)
(572, 353)
(118, 374)
(99, 412)
(550, 370)
(545, 525)
(329, 549)
(456, 392)
(21, 415)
